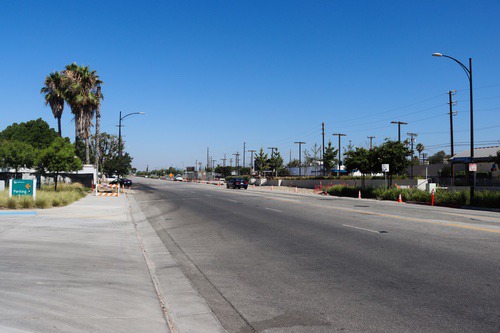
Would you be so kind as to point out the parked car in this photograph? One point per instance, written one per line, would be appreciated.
(178, 178)
(125, 182)
(237, 183)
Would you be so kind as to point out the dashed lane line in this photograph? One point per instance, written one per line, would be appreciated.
(274, 210)
(364, 229)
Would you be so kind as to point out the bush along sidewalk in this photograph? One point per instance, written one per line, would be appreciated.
(47, 197)
(486, 199)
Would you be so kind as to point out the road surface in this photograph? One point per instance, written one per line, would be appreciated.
(267, 261)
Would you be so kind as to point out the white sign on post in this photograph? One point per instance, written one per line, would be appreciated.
(385, 170)
(473, 167)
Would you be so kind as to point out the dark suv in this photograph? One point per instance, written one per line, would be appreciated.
(237, 183)
(125, 182)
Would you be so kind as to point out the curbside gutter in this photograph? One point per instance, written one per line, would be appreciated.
(184, 309)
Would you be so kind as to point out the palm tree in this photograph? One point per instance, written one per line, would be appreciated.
(84, 100)
(54, 96)
(420, 148)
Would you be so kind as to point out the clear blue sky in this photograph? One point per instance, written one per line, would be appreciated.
(220, 73)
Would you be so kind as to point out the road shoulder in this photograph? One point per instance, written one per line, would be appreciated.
(185, 309)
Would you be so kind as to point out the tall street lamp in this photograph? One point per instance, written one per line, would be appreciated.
(120, 130)
(468, 72)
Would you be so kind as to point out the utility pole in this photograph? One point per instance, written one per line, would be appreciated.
(399, 128)
(208, 158)
(213, 169)
(452, 113)
(340, 162)
(412, 140)
(371, 138)
(251, 160)
(237, 163)
(300, 143)
(323, 149)
(244, 152)
(224, 161)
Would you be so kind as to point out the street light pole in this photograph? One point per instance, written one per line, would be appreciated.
(399, 128)
(468, 72)
(120, 130)
(339, 135)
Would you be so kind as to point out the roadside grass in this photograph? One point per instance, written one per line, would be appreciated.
(46, 197)
(487, 199)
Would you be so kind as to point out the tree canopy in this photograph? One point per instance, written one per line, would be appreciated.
(36, 133)
(261, 161)
(58, 157)
(394, 153)
(359, 159)
(366, 161)
(330, 158)
(16, 155)
(437, 158)
(54, 89)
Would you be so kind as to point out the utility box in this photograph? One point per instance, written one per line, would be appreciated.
(430, 187)
(2, 185)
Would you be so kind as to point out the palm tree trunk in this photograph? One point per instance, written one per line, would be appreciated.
(97, 151)
(87, 150)
(59, 126)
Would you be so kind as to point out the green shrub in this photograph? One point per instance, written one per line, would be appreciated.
(42, 202)
(46, 197)
(352, 192)
(27, 202)
(487, 199)
(419, 196)
(451, 198)
(12, 203)
(56, 202)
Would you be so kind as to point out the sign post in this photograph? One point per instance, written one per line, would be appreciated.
(22, 187)
(385, 170)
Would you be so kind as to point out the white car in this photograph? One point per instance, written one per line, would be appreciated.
(178, 178)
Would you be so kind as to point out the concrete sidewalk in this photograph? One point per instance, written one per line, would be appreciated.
(82, 268)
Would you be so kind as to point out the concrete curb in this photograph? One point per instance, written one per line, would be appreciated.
(185, 310)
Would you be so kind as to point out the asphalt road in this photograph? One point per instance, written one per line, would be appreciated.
(267, 261)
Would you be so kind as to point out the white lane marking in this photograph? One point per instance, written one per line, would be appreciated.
(274, 210)
(233, 200)
(351, 226)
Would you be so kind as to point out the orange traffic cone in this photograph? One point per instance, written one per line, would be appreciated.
(359, 195)
(399, 198)
(296, 189)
